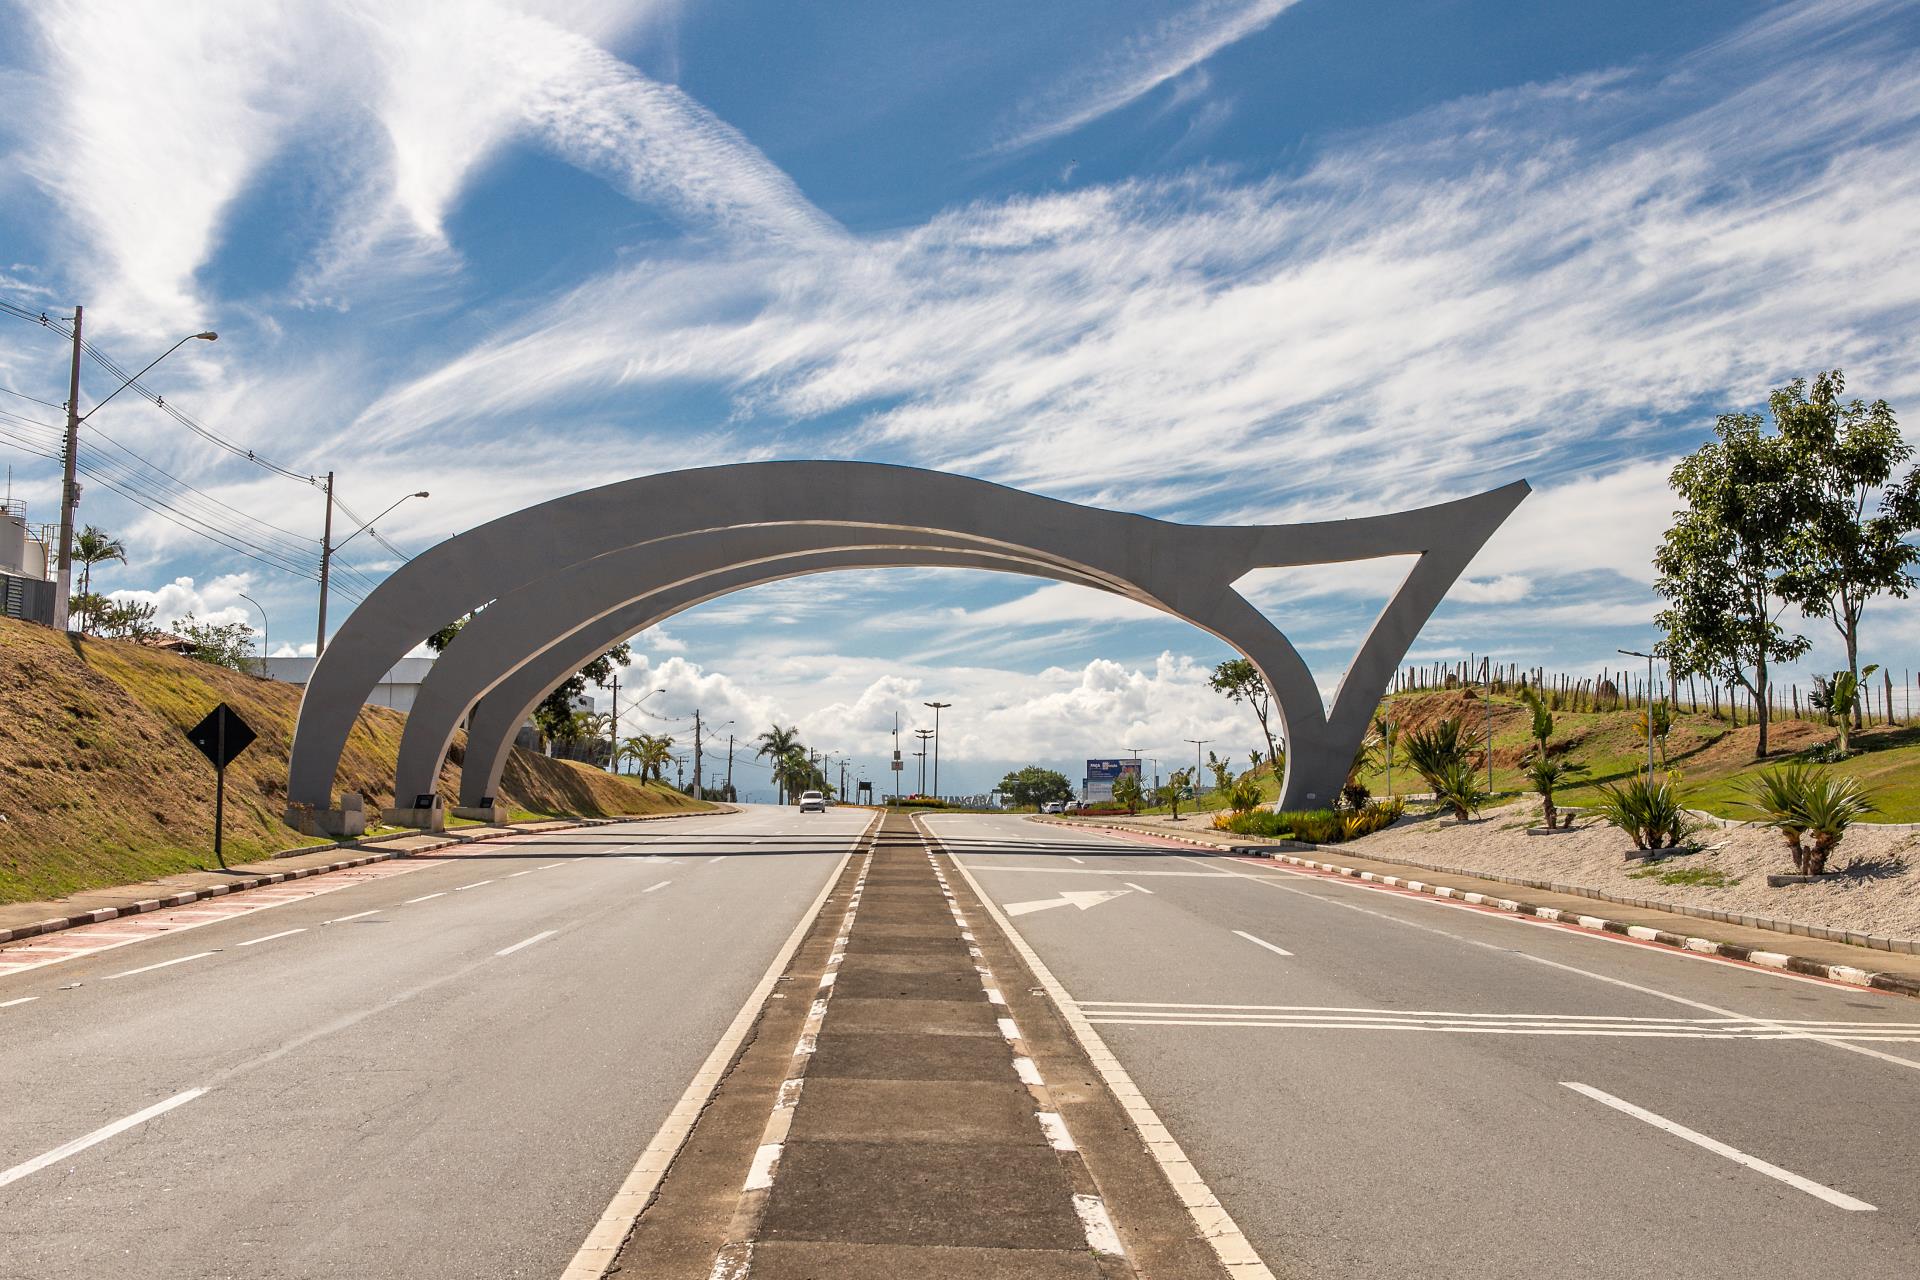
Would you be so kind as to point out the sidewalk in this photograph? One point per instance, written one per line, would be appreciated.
(1816, 957)
(91, 906)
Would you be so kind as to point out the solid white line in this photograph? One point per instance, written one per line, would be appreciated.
(475, 885)
(358, 915)
(1894, 1059)
(8, 1004)
(430, 897)
(1101, 871)
(538, 937)
(1279, 951)
(284, 933)
(1137, 888)
(78, 1145)
(151, 967)
(1838, 1199)
(650, 888)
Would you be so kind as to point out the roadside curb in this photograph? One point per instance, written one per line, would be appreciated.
(1898, 983)
(241, 885)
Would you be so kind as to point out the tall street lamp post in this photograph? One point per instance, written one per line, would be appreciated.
(1635, 653)
(938, 707)
(263, 629)
(1197, 744)
(70, 490)
(327, 549)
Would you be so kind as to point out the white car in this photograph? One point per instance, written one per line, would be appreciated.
(812, 802)
(1053, 806)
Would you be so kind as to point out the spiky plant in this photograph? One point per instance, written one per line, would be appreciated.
(1809, 808)
(1546, 773)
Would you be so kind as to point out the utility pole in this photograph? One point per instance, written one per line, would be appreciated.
(326, 565)
(729, 767)
(69, 492)
(937, 708)
(613, 729)
(925, 735)
(1197, 744)
(843, 782)
(696, 754)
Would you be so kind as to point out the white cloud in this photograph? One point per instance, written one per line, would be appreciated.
(1136, 66)
(1508, 588)
(217, 602)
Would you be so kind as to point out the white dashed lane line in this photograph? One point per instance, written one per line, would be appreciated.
(475, 885)
(1261, 942)
(358, 915)
(149, 968)
(284, 933)
(527, 942)
(101, 1134)
(650, 888)
(8, 1004)
(424, 898)
(1838, 1199)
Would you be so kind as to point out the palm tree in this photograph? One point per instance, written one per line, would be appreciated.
(650, 752)
(92, 547)
(795, 773)
(780, 744)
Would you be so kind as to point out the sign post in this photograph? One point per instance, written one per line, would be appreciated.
(221, 737)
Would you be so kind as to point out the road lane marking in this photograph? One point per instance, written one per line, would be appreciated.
(551, 865)
(650, 888)
(1098, 871)
(1081, 861)
(8, 1004)
(1085, 899)
(1261, 942)
(101, 1134)
(358, 915)
(284, 933)
(721, 858)
(597, 1252)
(1101, 1237)
(149, 968)
(475, 885)
(1137, 888)
(1839, 1199)
(1894, 1059)
(529, 871)
(428, 898)
(538, 937)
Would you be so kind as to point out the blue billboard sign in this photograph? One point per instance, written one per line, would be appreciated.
(1108, 770)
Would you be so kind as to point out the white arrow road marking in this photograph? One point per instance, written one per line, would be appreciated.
(1085, 899)
(78, 1145)
(1839, 1199)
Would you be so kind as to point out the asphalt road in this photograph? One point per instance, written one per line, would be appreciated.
(1381, 1084)
(446, 1072)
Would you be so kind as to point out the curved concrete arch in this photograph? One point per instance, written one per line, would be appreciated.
(523, 629)
(1186, 569)
(498, 715)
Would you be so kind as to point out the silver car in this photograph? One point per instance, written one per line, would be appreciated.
(812, 802)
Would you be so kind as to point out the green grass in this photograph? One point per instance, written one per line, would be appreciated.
(1702, 877)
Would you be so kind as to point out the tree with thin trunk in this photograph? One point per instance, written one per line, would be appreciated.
(1241, 681)
(779, 744)
(1841, 556)
(1723, 563)
(90, 548)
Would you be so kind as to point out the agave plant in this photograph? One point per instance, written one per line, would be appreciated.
(1457, 787)
(1649, 812)
(1433, 751)
(1811, 810)
(1546, 773)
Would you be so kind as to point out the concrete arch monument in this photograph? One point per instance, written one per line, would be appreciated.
(681, 537)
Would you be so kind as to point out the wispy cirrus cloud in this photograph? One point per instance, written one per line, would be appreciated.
(1134, 67)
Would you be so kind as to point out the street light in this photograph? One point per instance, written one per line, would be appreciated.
(69, 490)
(1197, 744)
(328, 546)
(263, 629)
(925, 736)
(937, 708)
(1635, 653)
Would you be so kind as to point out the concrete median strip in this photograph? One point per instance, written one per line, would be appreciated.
(1853, 975)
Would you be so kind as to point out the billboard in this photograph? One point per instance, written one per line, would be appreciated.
(1101, 775)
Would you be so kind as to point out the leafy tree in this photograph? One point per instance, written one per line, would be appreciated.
(1841, 557)
(1222, 770)
(1036, 786)
(1723, 563)
(1169, 794)
(90, 548)
(796, 773)
(124, 620)
(1241, 681)
(778, 744)
(224, 644)
(1128, 791)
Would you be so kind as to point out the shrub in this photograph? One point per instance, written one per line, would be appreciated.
(1374, 817)
(1803, 804)
(1457, 787)
(1244, 795)
(1434, 752)
(1546, 773)
(1649, 812)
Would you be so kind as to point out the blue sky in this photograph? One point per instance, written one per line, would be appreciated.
(1214, 260)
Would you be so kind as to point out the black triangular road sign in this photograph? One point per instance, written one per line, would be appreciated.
(221, 736)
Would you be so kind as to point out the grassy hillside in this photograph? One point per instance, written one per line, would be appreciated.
(1708, 756)
(99, 786)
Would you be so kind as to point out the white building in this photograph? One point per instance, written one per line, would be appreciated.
(397, 689)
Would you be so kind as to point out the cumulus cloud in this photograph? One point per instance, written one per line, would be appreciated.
(218, 601)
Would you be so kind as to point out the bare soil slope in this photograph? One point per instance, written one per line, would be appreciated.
(99, 786)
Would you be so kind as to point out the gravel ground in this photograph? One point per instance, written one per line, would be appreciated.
(1880, 896)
